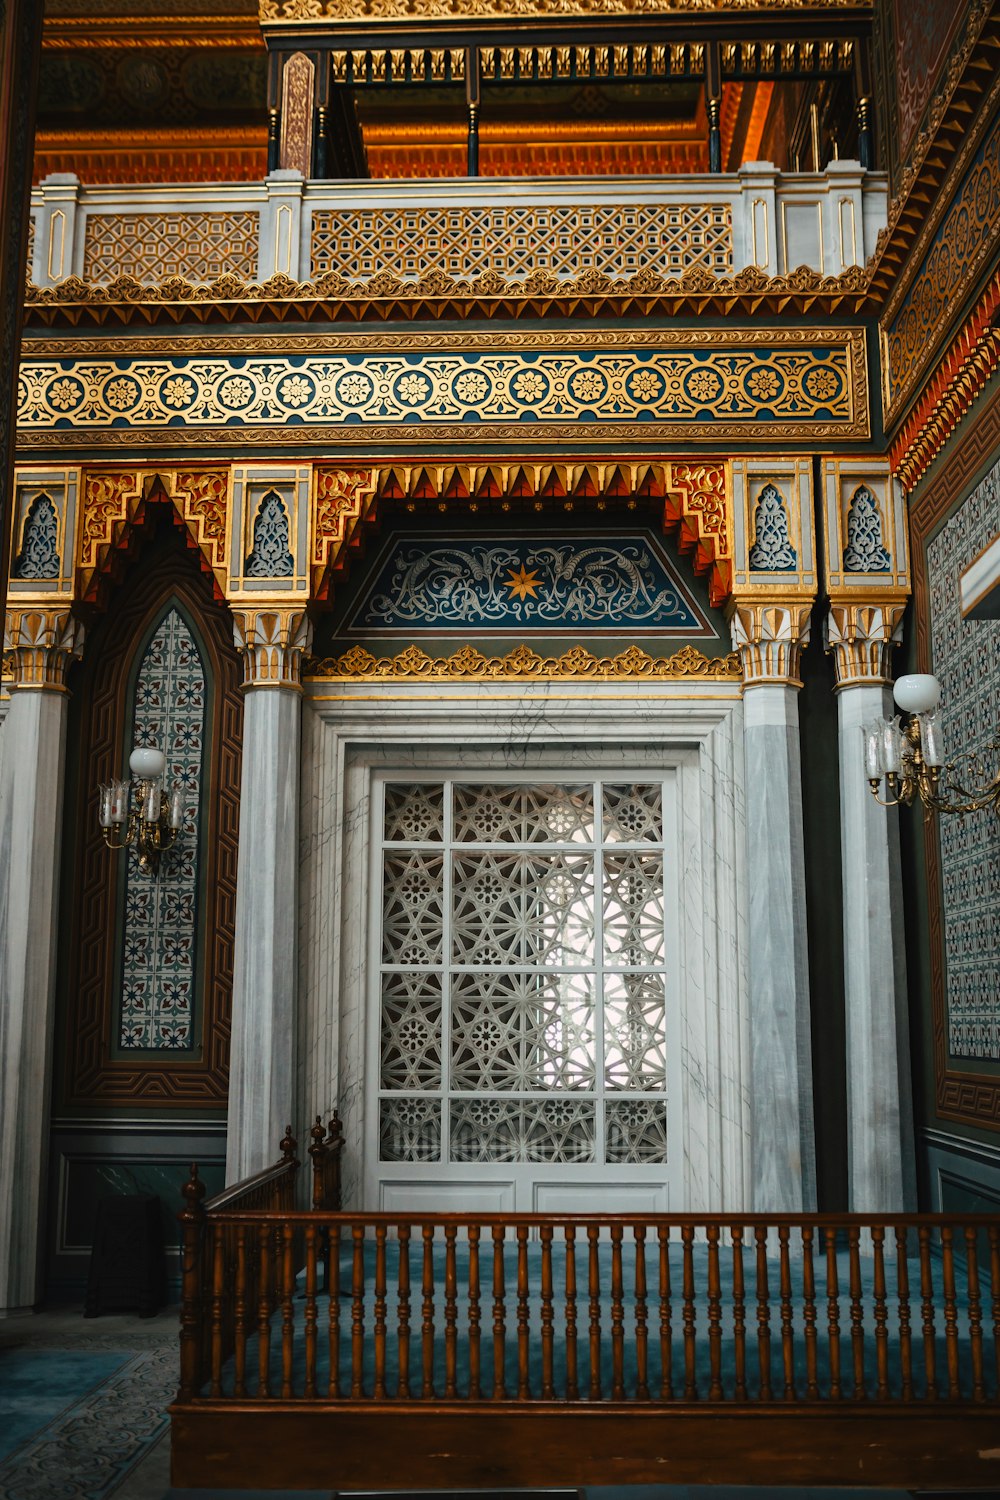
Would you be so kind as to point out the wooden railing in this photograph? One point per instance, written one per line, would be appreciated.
(217, 1255)
(529, 1308)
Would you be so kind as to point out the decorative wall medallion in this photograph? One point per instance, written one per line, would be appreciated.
(522, 664)
(865, 552)
(544, 583)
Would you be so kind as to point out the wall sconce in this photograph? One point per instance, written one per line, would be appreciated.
(910, 755)
(142, 812)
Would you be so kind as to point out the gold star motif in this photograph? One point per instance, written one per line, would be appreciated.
(522, 583)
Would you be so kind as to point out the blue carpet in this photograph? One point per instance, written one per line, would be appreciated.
(36, 1385)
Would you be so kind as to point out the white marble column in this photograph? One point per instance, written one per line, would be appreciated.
(881, 1177)
(783, 1156)
(32, 767)
(265, 961)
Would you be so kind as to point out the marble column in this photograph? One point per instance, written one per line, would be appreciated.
(32, 767)
(881, 1176)
(783, 1157)
(265, 964)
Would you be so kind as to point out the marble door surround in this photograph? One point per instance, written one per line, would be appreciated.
(353, 731)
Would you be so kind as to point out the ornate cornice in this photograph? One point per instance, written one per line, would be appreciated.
(334, 297)
(521, 665)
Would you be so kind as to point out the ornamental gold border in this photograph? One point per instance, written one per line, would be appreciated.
(351, 12)
(522, 665)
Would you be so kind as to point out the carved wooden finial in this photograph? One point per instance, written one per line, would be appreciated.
(317, 1132)
(335, 1128)
(193, 1191)
(289, 1145)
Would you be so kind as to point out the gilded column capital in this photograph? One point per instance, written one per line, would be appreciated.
(39, 645)
(273, 640)
(769, 636)
(861, 636)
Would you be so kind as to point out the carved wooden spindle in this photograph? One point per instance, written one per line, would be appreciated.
(763, 1314)
(403, 1315)
(572, 1378)
(881, 1315)
(950, 1310)
(287, 1311)
(714, 1315)
(857, 1312)
(192, 1220)
(809, 1312)
(311, 1320)
(475, 1317)
(499, 1316)
(975, 1313)
(548, 1385)
(380, 1306)
(689, 1314)
(333, 1286)
(317, 1155)
(427, 1325)
(833, 1310)
(240, 1313)
(217, 1233)
(357, 1311)
(787, 1333)
(523, 1350)
(334, 1146)
(739, 1317)
(994, 1235)
(264, 1258)
(594, 1286)
(450, 1313)
(617, 1317)
(927, 1313)
(903, 1298)
(641, 1332)
(666, 1339)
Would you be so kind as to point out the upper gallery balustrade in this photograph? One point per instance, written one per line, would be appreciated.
(465, 227)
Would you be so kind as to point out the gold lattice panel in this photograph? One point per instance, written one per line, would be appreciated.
(616, 240)
(200, 246)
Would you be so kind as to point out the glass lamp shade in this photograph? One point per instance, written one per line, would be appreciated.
(917, 692)
(147, 764)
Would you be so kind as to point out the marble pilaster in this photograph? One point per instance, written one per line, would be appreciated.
(32, 766)
(880, 1119)
(262, 1060)
(783, 1159)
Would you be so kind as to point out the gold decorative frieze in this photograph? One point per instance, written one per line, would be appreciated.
(343, 499)
(435, 294)
(522, 664)
(320, 12)
(698, 384)
(39, 646)
(861, 637)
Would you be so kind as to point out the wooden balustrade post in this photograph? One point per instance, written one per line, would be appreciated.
(192, 1219)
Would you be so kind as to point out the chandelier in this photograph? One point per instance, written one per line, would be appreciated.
(906, 759)
(142, 812)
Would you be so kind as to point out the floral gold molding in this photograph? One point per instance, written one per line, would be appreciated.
(522, 664)
(361, 12)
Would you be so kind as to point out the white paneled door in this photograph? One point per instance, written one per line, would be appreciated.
(524, 1032)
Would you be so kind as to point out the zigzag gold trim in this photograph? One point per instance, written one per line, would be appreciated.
(337, 294)
(522, 664)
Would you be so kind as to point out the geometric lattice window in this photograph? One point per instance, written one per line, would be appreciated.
(160, 913)
(524, 967)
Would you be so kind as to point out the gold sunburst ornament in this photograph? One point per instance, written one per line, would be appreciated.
(522, 583)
